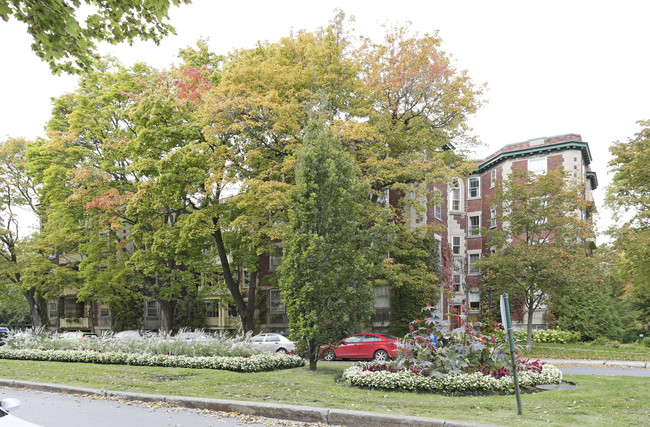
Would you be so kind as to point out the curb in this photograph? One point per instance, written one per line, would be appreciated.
(278, 411)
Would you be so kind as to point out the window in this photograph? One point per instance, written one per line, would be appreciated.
(437, 211)
(54, 309)
(455, 245)
(211, 309)
(437, 205)
(493, 178)
(384, 198)
(472, 258)
(474, 188)
(275, 259)
(382, 296)
(152, 309)
(455, 196)
(474, 301)
(104, 311)
(537, 166)
(456, 281)
(493, 218)
(276, 305)
(245, 278)
(474, 225)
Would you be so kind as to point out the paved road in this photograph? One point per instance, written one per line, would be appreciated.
(69, 410)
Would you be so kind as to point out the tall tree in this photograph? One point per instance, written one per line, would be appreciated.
(629, 196)
(18, 256)
(327, 291)
(68, 45)
(541, 248)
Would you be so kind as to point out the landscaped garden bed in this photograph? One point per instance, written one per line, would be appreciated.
(465, 361)
(253, 363)
(211, 352)
(385, 377)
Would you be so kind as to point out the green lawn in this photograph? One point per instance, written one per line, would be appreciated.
(631, 352)
(598, 400)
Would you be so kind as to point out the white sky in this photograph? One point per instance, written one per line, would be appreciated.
(552, 67)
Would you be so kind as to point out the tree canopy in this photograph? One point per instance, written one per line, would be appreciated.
(67, 44)
(541, 249)
(629, 196)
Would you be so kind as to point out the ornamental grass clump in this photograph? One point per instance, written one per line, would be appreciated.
(151, 344)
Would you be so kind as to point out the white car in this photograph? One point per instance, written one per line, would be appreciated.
(273, 343)
(128, 335)
(8, 420)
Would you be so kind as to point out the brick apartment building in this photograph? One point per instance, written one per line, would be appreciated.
(463, 211)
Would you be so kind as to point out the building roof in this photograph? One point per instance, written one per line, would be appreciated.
(537, 146)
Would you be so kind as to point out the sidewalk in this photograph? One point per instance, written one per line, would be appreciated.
(621, 363)
(278, 411)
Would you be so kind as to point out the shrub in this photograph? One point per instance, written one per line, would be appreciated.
(557, 336)
(463, 350)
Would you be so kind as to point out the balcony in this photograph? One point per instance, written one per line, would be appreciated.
(75, 323)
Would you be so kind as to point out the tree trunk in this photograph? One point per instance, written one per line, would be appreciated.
(249, 318)
(529, 326)
(91, 316)
(34, 308)
(313, 355)
(166, 315)
(233, 286)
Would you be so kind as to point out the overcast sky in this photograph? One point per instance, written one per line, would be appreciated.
(552, 67)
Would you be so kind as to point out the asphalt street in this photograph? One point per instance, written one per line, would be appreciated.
(75, 410)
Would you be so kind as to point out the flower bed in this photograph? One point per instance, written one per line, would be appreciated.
(364, 375)
(254, 363)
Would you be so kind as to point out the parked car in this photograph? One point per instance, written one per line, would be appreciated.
(128, 335)
(8, 420)
(273, 343)
(77, 334)
(191, 336)
(4, 335)
(380, 347)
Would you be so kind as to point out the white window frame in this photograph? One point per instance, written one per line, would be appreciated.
(151, 309)
(472, 271)
(493, 178)
(534, 165)
(104, 310)
(275, 259)
(456, 279)
(211, 309)
(473, 191)
(474, 230)
(382, 296)
(455, 196)
(493, 218)
(455, 239)
(276, 304)
(474, 297)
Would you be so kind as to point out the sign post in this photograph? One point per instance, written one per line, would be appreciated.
(507, 324)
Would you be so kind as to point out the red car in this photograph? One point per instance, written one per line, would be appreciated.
(380, 347)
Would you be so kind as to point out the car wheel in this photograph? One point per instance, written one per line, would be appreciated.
(329, 355)
(381, 356)
(281, 350)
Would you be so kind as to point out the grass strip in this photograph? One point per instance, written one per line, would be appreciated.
(587, 351)
(598, 400)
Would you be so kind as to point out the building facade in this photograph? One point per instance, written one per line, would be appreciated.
(461, 209)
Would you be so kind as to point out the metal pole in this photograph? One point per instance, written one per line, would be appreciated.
(512, 351)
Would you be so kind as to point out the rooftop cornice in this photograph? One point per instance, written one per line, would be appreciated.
(539, 149)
